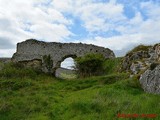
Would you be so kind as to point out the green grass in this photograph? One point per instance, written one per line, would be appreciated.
(37, 96)
(112, 65)
(68, 76)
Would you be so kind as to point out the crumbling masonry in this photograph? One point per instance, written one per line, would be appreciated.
(31, 52)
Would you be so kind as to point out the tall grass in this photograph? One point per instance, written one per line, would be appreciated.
(15, 70)
(112, 65)
(30, 95)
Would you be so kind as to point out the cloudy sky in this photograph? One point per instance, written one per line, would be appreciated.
(117, 24)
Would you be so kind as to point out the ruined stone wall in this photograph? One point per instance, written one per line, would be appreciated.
(35, 50)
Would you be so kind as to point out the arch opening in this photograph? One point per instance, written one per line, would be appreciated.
(68, 63)
(66, 68)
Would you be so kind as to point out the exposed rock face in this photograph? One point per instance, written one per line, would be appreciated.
(144, 61)
(138, 61)
(157, 52)
(31, 50)
(134, 61)
(138, 66)
(150, 80)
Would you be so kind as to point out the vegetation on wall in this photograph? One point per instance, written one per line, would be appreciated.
(16, 70)
(48, 62)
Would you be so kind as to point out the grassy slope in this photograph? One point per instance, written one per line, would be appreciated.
(29, 95)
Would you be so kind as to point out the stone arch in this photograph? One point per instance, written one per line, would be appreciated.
(59, 72)
(32, 49)
(58, 64)
(68, 63)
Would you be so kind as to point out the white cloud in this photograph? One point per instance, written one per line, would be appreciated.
(43, 19)
(21, 20)
(52, 32)
(135, 31)
(7, 52)
(100, 16)
(96, 16)
(152, 9)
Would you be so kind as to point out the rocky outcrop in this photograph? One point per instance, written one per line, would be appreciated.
(157, 51)
(33, 50)
(144, 62)
(133, 62)
(140, 59)
(150, 80)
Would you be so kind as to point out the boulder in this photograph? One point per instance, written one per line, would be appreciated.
(150, 80)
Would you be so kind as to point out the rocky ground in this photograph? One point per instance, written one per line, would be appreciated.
(144, 62)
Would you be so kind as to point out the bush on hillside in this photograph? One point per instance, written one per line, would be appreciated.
(90, 65)
(153, 66)
(112, 65)
(16, 70)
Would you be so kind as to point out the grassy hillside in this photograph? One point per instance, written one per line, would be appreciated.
(31, 95)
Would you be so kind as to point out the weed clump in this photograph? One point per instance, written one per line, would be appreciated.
(16, 70)
(48, 62)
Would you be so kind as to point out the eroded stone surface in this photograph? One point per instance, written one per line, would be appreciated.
(150, 80)
(30, 50)
(139, 61)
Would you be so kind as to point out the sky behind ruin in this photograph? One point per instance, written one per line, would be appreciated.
(116, 24)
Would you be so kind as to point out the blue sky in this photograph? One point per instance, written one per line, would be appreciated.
(116, 24)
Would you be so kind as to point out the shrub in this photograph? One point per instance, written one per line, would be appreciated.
(16, 70)
(153, 66)
(90, 64)
(112, 65)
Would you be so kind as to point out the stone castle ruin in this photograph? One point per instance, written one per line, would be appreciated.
(32, 52)
(143, 62)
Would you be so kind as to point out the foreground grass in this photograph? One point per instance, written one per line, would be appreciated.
(37, 96)
(46, 98)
